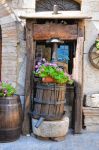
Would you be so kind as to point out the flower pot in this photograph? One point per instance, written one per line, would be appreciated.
(48, 80)
(10, 118)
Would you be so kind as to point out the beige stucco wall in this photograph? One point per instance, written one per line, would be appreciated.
(90, 74)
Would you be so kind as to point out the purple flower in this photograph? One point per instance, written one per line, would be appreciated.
(37, 70)
(53, 64)
(36, 66)
(6, 81)
(46, 64)
(5, 91)
(44, 60)
(39, 63)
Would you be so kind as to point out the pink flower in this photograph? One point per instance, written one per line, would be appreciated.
(44, 59)
(36, 66)
(39, 63)
(5, 91)
(6, 81)
(46, 64)
(53, 64)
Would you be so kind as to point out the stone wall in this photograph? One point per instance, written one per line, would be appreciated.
(91, 75)
(20, 7)
(13, 41)
(9, 43)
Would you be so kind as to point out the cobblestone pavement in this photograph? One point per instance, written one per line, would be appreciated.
(85, 141)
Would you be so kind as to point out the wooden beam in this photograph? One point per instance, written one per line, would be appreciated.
(52, 30)
(61, 15)
(81, 28)
(29, 68)
(78, 77)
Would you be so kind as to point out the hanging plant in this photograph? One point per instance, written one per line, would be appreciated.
(97, 44)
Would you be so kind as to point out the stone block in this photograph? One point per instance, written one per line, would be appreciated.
(7, 19)
(10, 78)
(91, 119)
(92, 100)
(51, 128)
(92, 128)
(88, 111)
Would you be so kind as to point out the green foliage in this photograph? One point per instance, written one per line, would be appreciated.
(52, 70)
(6, 89)
(97, 44)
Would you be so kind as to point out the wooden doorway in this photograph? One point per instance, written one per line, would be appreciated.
(75, 33)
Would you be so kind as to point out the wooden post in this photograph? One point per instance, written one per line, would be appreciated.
(78, 77)
(29, 68)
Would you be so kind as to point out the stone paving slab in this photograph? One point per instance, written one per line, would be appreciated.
(85, 141)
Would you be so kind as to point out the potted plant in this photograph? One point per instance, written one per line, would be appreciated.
(6, 89)
(10, 113)
(50, 95)
(51, 72)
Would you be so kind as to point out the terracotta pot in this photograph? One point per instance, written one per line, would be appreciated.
(48, 80)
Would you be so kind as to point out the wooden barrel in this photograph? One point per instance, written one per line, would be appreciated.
(49, 101)
(10, 118)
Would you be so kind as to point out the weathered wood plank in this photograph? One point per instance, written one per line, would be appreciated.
(29, 68)
(78, 77)
(48, 31)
